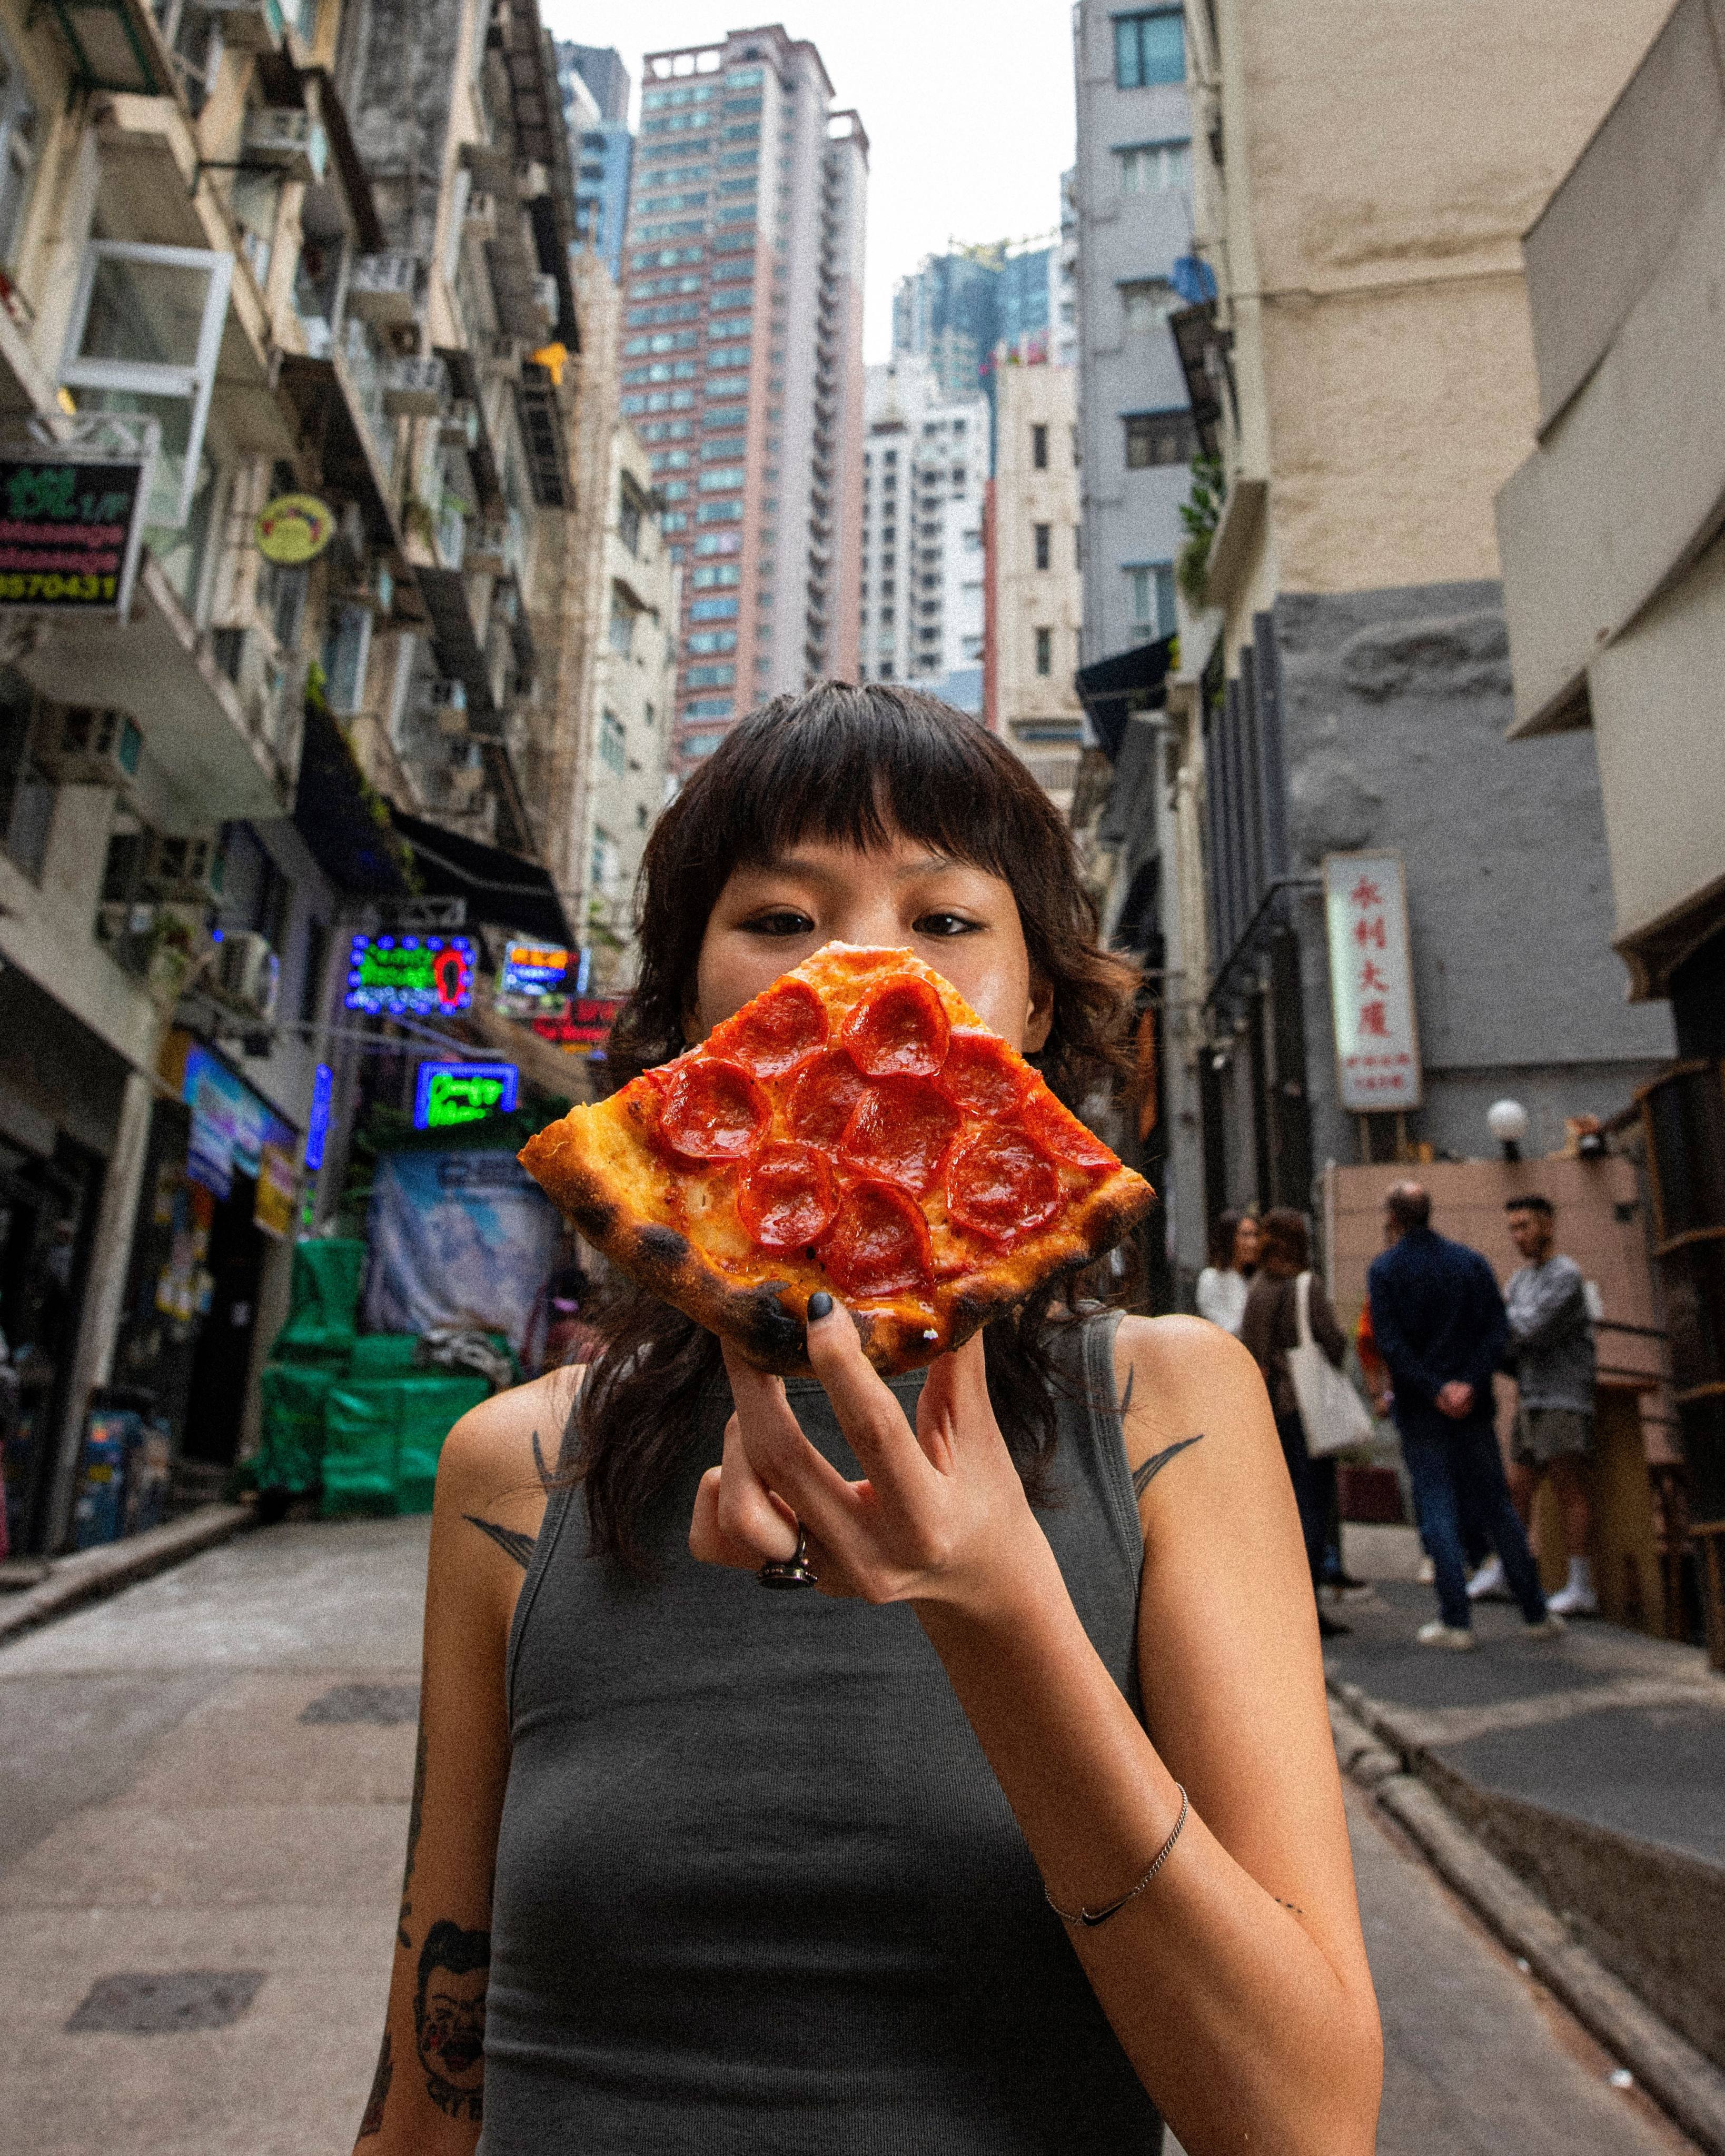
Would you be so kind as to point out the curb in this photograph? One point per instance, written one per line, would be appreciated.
(88, 1573)
(1686, 2086)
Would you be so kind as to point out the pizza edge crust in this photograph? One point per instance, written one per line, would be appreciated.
(664, 1261)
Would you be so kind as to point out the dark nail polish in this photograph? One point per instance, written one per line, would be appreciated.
(820, 1306)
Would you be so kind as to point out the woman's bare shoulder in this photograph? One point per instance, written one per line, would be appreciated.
(1180, 1379)
(510, 1442)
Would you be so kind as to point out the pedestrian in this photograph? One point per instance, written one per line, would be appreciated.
(1226, 1281)
(1551, 1358)
(751, 1871)
(1439, 1324)
(1269, 1328)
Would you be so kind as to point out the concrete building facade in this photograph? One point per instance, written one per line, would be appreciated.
(1130, 199)
(1368, 372)
(1615, 590)
(742, 363)
(1036, 586)
(925, 466)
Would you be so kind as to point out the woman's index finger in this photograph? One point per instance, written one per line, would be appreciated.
(874, 1424)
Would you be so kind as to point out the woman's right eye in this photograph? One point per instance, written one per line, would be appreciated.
(781, 920)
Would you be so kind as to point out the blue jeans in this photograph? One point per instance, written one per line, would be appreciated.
(1462, 1471)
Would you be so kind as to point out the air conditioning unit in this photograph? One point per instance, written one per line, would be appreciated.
(189, 869)
(86, 745)
(415, 388)
(481, 218)
(531, 180)
(444, 703)
(287, 136)
(487, 547)
(457, 429)
(119, 918)
(382, 290)
(545, 291)
(247, 972)
(465, 783)
(249, 26)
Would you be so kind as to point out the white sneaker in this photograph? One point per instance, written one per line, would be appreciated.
(1550, 1626)
(1488, 1580)
(1571, 1602)
(1427, 1572)
(1437, 1634)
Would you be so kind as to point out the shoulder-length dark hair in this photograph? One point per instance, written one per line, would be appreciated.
(851, 766)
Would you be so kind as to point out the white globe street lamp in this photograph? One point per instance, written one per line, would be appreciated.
(1507, 1122)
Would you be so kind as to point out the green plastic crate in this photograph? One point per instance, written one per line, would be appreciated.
(383, 1355)
(291, 1443)
(383, 1437)
(325, 1298)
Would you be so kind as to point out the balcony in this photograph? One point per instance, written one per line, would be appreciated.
(384, 291)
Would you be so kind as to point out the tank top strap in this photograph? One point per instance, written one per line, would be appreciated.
(563, 1497)
(1093, 1437)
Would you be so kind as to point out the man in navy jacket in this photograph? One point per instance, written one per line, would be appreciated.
(1438, 1322)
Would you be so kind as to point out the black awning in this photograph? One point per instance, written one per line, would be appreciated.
(344, 823)
(501, 888)
(1110, 689)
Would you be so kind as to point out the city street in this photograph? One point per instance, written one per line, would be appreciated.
(205, 1784)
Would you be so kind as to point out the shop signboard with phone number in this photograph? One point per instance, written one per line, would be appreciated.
(69, 532)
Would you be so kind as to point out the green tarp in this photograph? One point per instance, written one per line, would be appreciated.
(383, 1437)
(322, 1318)
(290, 1454)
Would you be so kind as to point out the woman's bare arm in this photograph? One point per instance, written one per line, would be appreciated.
(429, 2093)
(1238, 1984)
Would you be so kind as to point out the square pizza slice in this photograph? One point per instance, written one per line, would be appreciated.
(857, 1128)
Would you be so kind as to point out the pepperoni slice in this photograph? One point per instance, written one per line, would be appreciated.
(785, 1197)
(878, 1242)
(777, 1033)
(981, 1075)
(823, 1096)
(1056, 1129)
(1000, 1184)
(900, 1130)
(714, 1111)
(898, 1030)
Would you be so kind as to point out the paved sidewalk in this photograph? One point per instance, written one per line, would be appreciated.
(1593, 1765)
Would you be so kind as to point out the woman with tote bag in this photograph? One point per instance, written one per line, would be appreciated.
(1292, 1331)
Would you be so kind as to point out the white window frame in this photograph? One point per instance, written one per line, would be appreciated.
(18, 105)
(194, 384)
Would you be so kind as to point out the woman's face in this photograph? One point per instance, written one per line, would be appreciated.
(1248, 1244)
(960, 920)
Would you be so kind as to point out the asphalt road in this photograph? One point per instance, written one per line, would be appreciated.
(204, 1784)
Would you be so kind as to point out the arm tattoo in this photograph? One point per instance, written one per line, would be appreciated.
(1144, 1474)
(509, 1540)
(1293, 1906)
(544, 1472)
(372, 2122)
(415, 1811)
(449, 2017)
(1126, 1398)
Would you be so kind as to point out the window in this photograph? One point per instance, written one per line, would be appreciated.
(1146, 303)
(630, 509)
(1159, 438)
(1149, 49)
(1150, 585)
(26, 798)
(1045, 546)
(614, 741)
(347, 650)
(18, 152)
(714, 609)
(621, 632)
(146, 329)
(1039, 448)
(607, 860)
(1149, 167)
(1044, 651)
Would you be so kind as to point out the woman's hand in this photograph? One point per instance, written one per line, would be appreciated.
(942, 1515)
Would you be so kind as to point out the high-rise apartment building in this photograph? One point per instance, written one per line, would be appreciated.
(1035, 585)
(742, 363)
(925, 474)
(594, 85)
(1131, 200)
(956, 308)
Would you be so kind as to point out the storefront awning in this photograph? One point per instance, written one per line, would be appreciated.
(1135, 680)
(337, 814)
(501, 888)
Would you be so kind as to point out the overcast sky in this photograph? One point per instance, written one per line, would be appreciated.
(969, 109)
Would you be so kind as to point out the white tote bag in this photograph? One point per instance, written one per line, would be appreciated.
(1333, 1413)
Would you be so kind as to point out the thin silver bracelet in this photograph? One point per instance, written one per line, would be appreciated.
(1093, 1917)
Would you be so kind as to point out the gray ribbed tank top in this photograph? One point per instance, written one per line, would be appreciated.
(758, 1892)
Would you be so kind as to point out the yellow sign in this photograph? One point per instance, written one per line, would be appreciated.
(295, 529)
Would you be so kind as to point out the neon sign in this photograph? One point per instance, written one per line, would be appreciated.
(445, 1094)
(534, 970)
(415, 975)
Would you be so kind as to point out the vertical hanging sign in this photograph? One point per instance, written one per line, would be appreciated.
(1371, 983)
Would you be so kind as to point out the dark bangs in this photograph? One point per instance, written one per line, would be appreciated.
(851, 766)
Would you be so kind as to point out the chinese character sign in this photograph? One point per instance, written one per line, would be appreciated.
(1371, 983)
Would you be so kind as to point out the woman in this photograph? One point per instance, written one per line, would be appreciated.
(694, 1867)
(1226, 1281)
(1270, 1326)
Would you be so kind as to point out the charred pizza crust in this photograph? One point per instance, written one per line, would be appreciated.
(672, 1223)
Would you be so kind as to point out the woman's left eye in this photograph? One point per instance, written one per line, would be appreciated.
(944, 924)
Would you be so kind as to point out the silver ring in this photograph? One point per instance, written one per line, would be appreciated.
(792, 1571)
